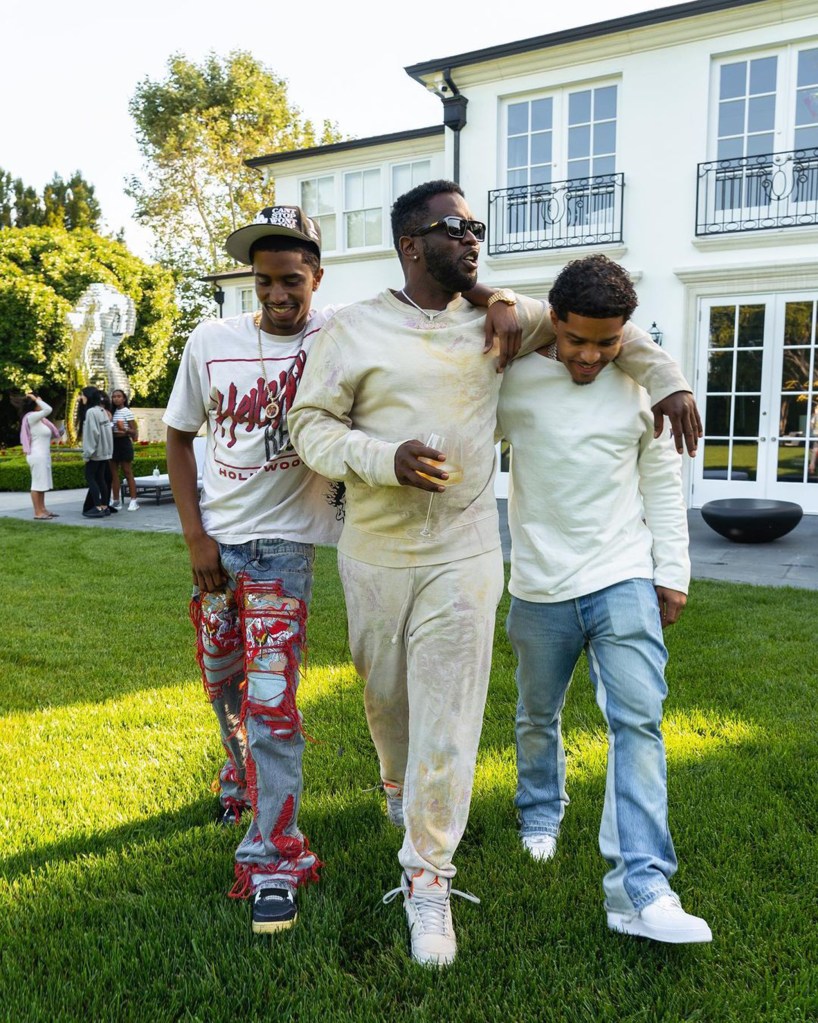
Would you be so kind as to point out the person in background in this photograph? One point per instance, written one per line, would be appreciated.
(126, 431)
(37, 433)
(97, 448)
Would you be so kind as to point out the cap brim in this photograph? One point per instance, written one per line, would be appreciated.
(240, 242)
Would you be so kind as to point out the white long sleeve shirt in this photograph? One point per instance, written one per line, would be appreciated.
(594, 499)
(381, 373)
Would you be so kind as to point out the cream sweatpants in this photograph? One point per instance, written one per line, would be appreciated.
(421, 638)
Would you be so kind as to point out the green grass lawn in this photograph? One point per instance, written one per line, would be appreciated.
(112, 895)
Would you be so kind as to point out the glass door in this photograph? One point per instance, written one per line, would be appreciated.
(758, 391)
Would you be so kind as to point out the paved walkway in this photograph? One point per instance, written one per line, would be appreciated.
(790, 561)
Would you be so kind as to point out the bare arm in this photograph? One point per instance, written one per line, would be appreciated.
(502, 325)
(206, 566)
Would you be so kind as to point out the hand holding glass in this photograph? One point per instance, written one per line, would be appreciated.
(453, 466)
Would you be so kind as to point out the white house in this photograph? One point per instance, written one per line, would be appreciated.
(683, 143)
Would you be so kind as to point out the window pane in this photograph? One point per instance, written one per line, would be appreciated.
(605, 103)
(733, 80)
(355, 230)
(373, 232)
(762, 75)
(421, 171)
(729, 149)
(401, 179)
(541, 175)
(372, 188)
(720, 371)
(791, 459)
(805, 137)
(542, 114)
(579, 169)
(761, 114)
(605, 137)
(326, 195)
(760, 145)
(797, 323)
(717, 416)
(518, 151)
(353, 191)
(328, 239)
(807, 67)
(309, 197)
(745, 416)
(517, 118)
(751, 326)
(517, 177)
(745, 459)
(722, 326)
(541, 147)
(579, 142)
(604, 165)
(579, 107)
(731, 117)
(748, 371)
(806, 106)
(795, 369)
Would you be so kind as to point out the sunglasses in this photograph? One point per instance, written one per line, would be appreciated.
(456, 227)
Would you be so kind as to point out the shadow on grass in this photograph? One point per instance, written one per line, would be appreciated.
(133, 923)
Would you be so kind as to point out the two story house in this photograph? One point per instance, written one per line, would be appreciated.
(681, 142)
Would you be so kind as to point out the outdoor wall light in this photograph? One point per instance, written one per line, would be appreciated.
(218, 295)
(656, 334)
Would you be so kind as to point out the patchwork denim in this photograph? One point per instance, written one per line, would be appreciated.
(620, 630)
(251, 638)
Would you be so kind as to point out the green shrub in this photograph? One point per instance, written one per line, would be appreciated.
(68, 468)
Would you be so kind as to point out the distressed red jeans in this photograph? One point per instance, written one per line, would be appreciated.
(250, 639)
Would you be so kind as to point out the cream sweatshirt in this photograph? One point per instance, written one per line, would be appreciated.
(594, 499)
(381, 373)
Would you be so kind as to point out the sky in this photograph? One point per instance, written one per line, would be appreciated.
(68, 71)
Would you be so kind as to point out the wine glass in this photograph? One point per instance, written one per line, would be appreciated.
(453, 465)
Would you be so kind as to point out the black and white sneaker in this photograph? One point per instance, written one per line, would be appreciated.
(228, 815)
(274, 909)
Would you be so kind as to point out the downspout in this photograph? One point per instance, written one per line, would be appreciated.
(454, 114)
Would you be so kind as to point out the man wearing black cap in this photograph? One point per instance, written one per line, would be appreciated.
(250, 540)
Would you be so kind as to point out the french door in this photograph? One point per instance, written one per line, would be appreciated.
(757, 388)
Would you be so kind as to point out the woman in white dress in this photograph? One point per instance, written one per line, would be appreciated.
(36, 434)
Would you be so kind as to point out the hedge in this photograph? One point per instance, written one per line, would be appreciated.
(68, 468)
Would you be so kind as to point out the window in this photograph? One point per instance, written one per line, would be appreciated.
(766, 131)
(363, 209)
(406, 176)
(247, 298)
(318, 202)
(560, 158)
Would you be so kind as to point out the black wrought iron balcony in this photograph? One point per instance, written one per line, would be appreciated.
(757, 193)
(560, 215)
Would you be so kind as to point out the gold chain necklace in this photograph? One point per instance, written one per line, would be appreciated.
(273, 406)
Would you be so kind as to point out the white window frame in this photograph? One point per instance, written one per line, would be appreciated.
(335, 207)
(383, 209)
(250, 305)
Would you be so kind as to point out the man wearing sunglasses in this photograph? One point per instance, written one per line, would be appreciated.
(421, 609)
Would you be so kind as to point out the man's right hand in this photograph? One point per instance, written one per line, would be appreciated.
(408, 466)
(208, 573)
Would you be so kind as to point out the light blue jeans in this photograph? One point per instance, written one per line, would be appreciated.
(620, 629)
(255, 629)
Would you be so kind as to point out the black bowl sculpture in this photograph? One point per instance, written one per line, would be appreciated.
(752, 519)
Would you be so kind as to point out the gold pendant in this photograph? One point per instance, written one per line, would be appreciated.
(271, 409)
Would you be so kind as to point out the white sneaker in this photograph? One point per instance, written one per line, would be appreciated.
(118, 504)
(662, 920)
(426, 900)
(540, 847)
(394, 804)
(133, 504)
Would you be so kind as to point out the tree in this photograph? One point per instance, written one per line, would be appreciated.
(196, 129)
(43, 271)
(69, 204)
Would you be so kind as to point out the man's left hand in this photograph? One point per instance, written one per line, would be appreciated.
(685, 421)
(671, 604)
(503, 325)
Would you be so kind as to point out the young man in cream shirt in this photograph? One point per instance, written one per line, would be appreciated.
(599, 562)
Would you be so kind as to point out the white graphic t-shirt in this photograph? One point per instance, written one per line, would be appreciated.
(254, 484)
